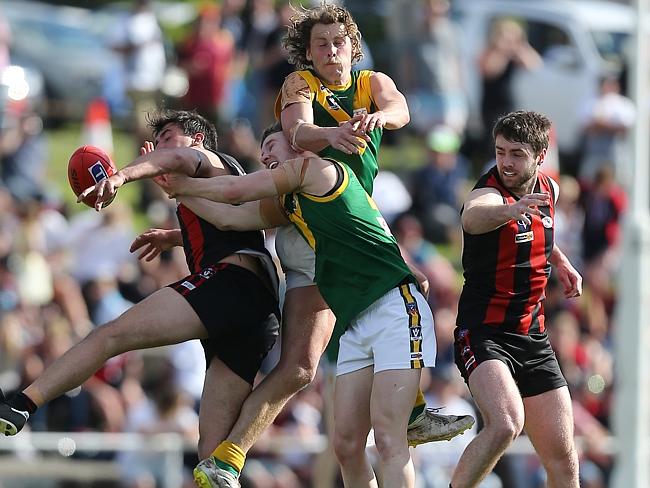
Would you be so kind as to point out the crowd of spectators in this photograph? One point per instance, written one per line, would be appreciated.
(64, 272)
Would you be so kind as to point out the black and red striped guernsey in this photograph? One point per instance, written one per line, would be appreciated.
(506, 270)
(206, 245)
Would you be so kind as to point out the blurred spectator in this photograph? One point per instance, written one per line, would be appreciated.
(607, 120)
(5, 42)
(274, 65)
(507, 49)
(569, 220)
(604, 202)
(436, 95)
(206, 55)
(163, 408)
(390, 195)
(23, 151)
(424, 255)
(140, 41)
(438, 186)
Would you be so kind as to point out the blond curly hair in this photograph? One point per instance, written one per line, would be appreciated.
(296, 41)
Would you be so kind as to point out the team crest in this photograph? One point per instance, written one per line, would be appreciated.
(412, 308)
(331, 101)
(207, 273)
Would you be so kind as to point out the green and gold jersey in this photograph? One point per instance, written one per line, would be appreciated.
(357, 257)
(333, 105)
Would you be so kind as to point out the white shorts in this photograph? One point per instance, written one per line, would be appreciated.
(296, 257)
(395, 332)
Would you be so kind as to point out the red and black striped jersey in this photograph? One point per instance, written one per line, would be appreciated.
(204, 244)
(506, 270)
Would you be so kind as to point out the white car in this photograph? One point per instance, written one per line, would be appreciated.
(578, 40)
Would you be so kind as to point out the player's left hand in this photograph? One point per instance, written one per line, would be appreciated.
(570, 279)
(105, 190)
(171, 183)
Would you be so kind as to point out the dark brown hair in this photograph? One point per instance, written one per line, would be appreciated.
(524, 127)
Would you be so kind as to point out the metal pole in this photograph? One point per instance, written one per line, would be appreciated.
(632, 404)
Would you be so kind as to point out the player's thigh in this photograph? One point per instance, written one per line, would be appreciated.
(496, 394)
(549, 422)
(162, 318)
(352, 403)
(223, 394)
(392, 399)
(307, 325)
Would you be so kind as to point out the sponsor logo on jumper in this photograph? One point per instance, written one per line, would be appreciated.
(524, 237)
(412, 308)
(547, 222)
(188, 285)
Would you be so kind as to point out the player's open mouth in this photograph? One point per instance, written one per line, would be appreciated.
(509, 173)
(272, 164)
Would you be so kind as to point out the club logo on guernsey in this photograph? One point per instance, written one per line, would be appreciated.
(412, 308)
(332, 102)
(97, 172)
(207, 273)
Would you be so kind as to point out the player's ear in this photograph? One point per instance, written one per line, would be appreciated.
(308, 54)
(198, 138)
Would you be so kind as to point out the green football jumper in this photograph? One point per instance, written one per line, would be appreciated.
(331, 107)
(357, 258)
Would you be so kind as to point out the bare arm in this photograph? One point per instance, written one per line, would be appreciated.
(150, 163)
(393, 112)
(566, 273)
(485, 211)
(260, 214)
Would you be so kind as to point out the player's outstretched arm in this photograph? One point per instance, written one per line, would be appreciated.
(183, 160)
(485, 211)
(257, 215)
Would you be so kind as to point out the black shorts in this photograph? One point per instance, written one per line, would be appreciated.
(529, 358)
(240, 313)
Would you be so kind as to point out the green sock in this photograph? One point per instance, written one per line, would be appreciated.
(226, 466)
(415, 413)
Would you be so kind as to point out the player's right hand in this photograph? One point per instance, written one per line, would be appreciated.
(527, 205)
(348, 137)
(154, 242)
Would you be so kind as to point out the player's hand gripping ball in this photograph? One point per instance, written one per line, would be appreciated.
(88, 166)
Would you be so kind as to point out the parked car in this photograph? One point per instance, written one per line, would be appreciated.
(578, 40)
(60, 43)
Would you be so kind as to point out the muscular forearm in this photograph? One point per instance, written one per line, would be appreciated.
(396, 114)
(481, 219)
(557, 256)
(309, 137)
(182, 160)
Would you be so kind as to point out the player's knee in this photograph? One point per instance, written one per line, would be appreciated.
(348, 445)
(109, 337)
(388, 445)
(505, 431)
(298, 373)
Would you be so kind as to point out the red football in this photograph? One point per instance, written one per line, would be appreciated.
(89, 165)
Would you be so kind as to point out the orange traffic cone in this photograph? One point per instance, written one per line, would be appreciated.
(97, 129)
